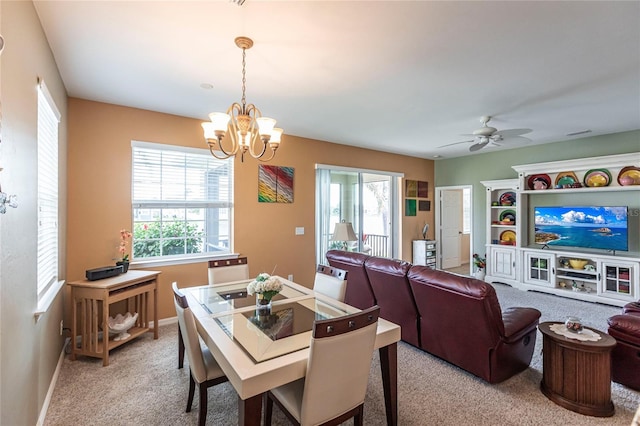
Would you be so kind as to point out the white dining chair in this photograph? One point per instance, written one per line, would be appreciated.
(220, 271)
(204, 369)
(334, 387)
(228, 270)
(331, 282)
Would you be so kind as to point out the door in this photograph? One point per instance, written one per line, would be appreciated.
(451, 227)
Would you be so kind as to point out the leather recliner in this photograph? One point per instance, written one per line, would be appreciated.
(461, 322)
(625, 357)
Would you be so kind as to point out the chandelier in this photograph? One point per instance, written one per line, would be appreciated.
(245, 128)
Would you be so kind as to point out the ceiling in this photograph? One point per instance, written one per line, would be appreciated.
(405, 77)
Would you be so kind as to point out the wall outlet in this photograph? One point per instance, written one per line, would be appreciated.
(61, 327)
(299, 230)
(290, 277)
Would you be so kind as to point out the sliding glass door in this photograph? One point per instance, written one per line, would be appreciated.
(365, 198)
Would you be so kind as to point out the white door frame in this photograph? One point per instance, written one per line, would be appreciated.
(438, 230)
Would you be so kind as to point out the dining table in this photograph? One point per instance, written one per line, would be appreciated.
(259, 352)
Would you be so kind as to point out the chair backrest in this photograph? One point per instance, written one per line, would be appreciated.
(187, 324)
(388, 278)
(331, 282)
(359, 293)
(338, 367)
(227, 270)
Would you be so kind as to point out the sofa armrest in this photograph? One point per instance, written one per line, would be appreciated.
(632, 308)
(518, 322)
(625, 327)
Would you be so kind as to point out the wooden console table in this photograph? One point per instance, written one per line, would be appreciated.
(90, 310)
(577, 374)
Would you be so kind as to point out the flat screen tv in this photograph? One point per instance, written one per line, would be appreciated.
(595, 227)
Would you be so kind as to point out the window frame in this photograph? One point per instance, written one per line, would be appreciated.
(186, 203)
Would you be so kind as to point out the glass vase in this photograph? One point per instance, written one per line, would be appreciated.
(263, 306)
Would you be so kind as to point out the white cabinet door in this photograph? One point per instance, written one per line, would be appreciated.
(619, 280)
(503, 262)
(539, 268)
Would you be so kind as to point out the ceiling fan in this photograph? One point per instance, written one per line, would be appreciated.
(487, 135)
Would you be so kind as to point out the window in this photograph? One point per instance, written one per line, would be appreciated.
(48, 120)
(182, 202)
(367, 199)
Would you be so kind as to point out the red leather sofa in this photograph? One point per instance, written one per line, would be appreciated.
(451, 316)
(359, 293)
(625, 357)
(388, 279)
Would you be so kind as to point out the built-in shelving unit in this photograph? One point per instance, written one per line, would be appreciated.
(611, 278)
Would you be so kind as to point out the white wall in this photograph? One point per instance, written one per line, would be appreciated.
(29, 350)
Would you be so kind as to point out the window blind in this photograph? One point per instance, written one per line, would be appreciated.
(48, 120)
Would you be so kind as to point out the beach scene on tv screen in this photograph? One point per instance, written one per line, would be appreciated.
(589, 227)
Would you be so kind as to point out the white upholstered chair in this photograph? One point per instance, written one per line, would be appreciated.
(220, 271)
(335, 384)
(331, 282)
(204, 369)
(227, 270)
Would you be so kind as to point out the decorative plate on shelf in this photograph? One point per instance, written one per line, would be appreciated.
(597, 177)
(629, 176)
(508, 236)
(543, 181)
(566, 179)
(508, 217)
(508, 198)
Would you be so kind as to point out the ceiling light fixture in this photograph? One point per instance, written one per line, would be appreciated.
(243, 125)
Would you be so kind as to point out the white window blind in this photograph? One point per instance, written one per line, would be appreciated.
(182, 202)
(48, 120)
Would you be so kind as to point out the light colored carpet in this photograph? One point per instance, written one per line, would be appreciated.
(142, 385)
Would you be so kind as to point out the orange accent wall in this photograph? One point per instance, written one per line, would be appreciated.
(99, 194)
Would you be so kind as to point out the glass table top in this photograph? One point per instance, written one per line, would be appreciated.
(226, 298)
(286, 329)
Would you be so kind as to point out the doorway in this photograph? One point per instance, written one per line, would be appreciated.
(454, 228)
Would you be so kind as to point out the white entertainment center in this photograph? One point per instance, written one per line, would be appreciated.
(513, 256)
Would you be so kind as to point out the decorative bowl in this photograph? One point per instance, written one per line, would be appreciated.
(578, 263)
(120, 324)
(573, 324)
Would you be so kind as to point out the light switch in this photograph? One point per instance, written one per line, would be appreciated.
(299, 230)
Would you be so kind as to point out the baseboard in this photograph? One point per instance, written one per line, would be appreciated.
(52, 385)
(165, 321)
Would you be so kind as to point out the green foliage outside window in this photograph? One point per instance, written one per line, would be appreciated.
(166, 239)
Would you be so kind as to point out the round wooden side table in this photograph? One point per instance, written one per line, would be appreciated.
(577, 374)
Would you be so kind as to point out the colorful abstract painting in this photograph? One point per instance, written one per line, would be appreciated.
(275, 184)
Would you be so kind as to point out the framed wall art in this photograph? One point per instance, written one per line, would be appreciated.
(275, 184)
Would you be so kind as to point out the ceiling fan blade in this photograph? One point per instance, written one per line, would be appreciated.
(512, 132)
(455, 143)
(478, 146)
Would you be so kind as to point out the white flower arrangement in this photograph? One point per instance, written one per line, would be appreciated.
(266, 285)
